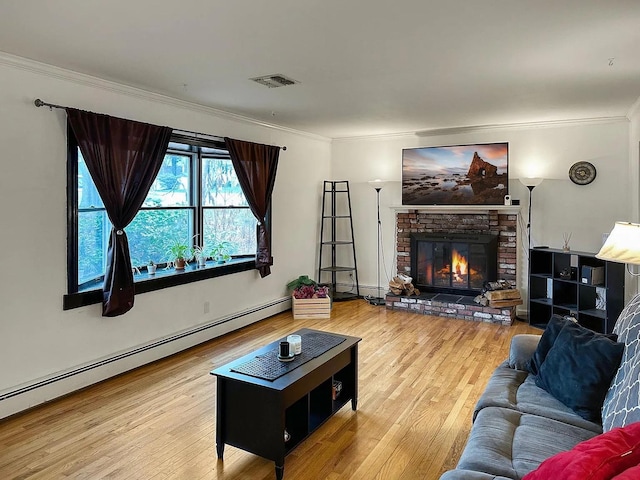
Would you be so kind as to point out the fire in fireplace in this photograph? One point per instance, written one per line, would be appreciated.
(453, 263)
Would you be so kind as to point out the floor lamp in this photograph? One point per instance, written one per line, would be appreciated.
(622, 245)
(530, 183)
(379, 300)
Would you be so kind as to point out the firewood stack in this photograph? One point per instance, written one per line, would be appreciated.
(500, 295)
(401, 285)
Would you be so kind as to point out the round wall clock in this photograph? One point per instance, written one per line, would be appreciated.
(582, 173)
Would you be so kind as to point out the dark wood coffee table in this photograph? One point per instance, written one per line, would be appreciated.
(253, 414)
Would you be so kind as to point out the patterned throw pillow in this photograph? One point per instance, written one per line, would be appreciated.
(622, 403)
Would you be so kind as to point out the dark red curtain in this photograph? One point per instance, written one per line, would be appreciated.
(255, 165)
(123, 158)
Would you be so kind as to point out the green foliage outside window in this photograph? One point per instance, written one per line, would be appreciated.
(168, 214)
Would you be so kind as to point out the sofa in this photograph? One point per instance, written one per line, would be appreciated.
(520, 428)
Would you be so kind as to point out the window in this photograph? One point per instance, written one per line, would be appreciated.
(225, 211)
(196, 198)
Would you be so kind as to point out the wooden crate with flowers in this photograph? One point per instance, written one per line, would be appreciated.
(308, 299)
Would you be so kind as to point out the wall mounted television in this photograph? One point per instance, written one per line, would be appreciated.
(475, 174)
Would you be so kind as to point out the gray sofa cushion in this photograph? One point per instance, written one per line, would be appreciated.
(521, 350)
(622, 402)
(516, 390)
(469, 475)
(508, 443)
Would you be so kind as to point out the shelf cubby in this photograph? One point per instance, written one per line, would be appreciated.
(556, 287)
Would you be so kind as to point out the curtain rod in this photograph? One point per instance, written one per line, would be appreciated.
(39, 103)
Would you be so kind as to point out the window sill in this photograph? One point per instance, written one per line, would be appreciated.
(164, 278)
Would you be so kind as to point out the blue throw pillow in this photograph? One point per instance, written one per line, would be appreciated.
(578, 369)
(556, 323)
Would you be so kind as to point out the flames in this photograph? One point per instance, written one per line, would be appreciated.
(459, 264)
(455, 272)
(452, 268)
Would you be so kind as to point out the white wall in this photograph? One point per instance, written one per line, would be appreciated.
(634, 159)
(37, 338)
(545, 151)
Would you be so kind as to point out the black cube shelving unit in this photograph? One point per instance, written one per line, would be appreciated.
(557, 286)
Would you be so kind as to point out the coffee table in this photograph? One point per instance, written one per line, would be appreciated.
(271, 417)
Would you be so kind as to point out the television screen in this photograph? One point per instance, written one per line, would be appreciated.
(456, 175)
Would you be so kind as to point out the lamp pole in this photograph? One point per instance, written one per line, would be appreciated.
(530, 187)
(530, 183)
(379, 300)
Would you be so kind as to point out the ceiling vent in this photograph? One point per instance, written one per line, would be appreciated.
(275, 80)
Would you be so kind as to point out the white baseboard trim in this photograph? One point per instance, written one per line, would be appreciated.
(62, 383)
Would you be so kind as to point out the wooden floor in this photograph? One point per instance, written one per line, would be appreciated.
(419, 378)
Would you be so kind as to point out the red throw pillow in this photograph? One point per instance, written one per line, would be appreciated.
(600, 458)
(632, 473)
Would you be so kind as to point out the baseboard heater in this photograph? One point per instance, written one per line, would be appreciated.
(135, 351)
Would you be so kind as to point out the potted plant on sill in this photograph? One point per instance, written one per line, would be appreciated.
(200, 255)
(179, 254)
(151, 268)
(220, 252)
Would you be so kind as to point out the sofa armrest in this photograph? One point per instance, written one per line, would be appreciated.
(470, 475)
(522, 348)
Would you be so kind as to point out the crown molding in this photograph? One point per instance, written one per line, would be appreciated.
(490, 127)
(521, 125)
(380, 136)
(59, 73)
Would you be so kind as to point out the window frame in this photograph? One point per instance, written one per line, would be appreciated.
(164, 278)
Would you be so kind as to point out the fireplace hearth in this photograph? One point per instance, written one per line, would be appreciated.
(501, 222)
(456, 263)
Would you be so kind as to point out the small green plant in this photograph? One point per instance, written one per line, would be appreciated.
(200, 254)
(220, 251)
(180, 251)
(301, 281)
(151, 267)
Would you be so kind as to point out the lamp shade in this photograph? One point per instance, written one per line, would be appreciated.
(623, 244)
(531, 181)
(377, 183)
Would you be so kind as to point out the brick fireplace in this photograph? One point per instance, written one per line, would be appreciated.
(499, 222)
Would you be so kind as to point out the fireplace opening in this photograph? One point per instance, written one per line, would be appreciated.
(453, 263)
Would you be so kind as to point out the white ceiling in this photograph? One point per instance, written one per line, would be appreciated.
(366, 67)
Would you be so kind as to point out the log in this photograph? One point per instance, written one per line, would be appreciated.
(505, 303)
(503, 294)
